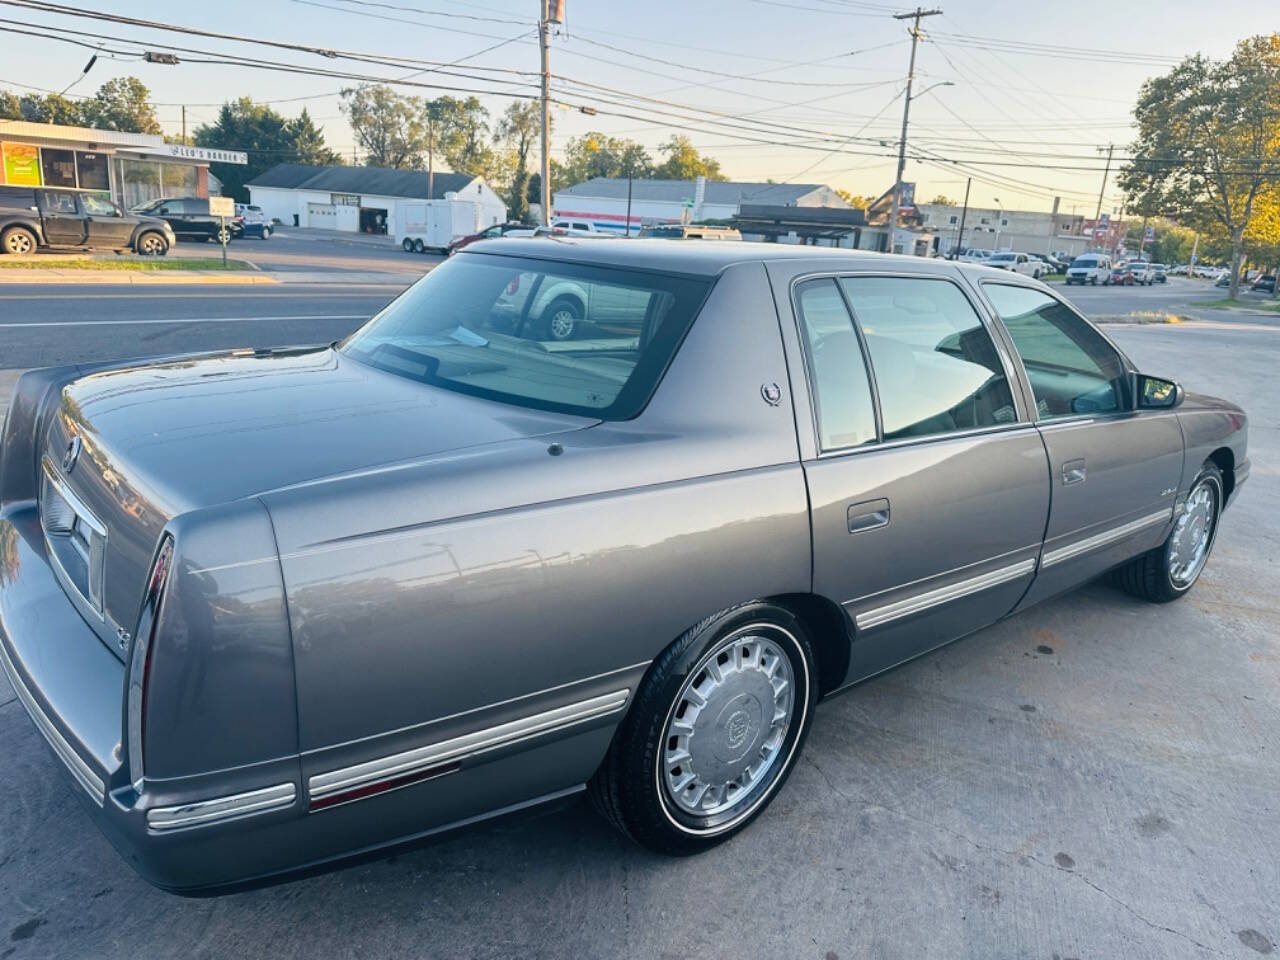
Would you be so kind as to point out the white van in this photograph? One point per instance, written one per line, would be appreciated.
(1092, 268)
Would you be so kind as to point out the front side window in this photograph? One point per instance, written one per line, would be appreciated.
(580, 339)
(936, 367)
(841, 391)
(1071, 367)
(97, 207)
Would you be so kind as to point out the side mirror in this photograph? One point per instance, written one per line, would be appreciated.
(1156, 394)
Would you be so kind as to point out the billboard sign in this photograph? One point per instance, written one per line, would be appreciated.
(21, 164)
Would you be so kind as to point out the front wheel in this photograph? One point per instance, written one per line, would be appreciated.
(406, 245)
(715, 728)
(152, 245)
(1093, 281)
(1171, 569)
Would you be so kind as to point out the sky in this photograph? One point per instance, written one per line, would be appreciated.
(803, 91)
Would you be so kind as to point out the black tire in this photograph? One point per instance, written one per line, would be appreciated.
(407, 245)
(628, 789)
(151, 244)
(1093, 281)
(1149, 576)
(555, 324)
(18, 240)
(419, 246)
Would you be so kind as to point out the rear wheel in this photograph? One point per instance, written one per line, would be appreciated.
(152, 244)
(18, 240)
(1171, 569)
(406, 245)
(715, 728)
(419, 247)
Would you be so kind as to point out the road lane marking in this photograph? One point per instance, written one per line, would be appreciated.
(39, 325)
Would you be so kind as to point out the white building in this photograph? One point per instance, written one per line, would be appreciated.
(130, 168)
(994, 228)
(361, 199)
(603, 200)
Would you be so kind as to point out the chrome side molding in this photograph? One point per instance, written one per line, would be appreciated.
(1103, 539)
(205, 812)
(952, 591)
(92, 783)
(362, 779)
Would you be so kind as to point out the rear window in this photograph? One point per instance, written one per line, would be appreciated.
(569, 337)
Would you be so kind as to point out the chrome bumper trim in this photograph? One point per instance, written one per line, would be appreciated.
(1103, 539)
(92, 783)
(205, 812)
(952, 591)
(459, 748)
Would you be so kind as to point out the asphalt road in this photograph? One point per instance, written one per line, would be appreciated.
(43, 326)
(301, 250)
(1095, 778)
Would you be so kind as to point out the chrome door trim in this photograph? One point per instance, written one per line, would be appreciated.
(84, 774)
(205, 812)
(468, 745)
(952, 591)
(1105, 538)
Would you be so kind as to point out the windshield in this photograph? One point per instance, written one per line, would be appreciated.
(1085, 262)
(554, 336)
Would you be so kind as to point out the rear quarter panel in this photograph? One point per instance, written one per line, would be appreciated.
(439, 597)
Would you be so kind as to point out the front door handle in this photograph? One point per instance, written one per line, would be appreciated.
(1073, 471)
(868, 515)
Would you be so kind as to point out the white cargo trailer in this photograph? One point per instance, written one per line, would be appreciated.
(423, 225)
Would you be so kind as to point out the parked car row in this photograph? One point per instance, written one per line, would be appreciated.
(33, 218)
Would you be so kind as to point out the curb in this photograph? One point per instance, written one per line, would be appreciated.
(97, 277)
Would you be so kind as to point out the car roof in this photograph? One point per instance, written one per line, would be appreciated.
(705, 258)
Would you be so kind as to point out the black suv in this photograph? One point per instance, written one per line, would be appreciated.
(33, 217)
(189, 217)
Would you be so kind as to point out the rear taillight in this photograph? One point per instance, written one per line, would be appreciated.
(140, 660)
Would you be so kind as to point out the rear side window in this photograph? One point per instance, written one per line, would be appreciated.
(935, 365)
(841, 391)
(1071, 367)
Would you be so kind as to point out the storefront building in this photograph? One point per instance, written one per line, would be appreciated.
(129, 168)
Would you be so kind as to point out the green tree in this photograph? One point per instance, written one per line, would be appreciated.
(122, 104)
(684, 162)
(266, 136)
(10, 106)
(389, 127)
(855, 200)
(1209, 140)
(597, 154)
(943, 200)
(307, 141)
(52, 108)
(517, 132)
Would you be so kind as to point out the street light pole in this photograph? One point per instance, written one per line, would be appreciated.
(963, 214)
(549, 11)
(916, 15)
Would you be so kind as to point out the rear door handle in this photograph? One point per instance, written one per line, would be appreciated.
(1073, 471)
(868, 515)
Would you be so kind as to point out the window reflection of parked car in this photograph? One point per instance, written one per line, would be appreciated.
(554, 308)
(690, 231)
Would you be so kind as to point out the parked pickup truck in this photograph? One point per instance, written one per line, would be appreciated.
(32, 218)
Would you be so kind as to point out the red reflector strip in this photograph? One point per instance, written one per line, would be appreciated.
(383, 786)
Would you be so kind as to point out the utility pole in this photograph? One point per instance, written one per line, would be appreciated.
(1111, 147)
(431, 161)
(916, 15)
(630, 174)
(550, 11)
(963, 214)
(184, 124)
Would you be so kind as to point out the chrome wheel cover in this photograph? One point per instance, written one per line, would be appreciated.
(726, 733)
(562, 322)
(1193, 534)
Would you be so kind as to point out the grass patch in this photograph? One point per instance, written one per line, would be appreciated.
(134, 264)
(1143, 316)
(1228, 304)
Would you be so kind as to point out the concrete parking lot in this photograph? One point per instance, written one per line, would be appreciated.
(1096, 778)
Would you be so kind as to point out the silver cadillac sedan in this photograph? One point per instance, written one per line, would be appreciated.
(566, 516)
